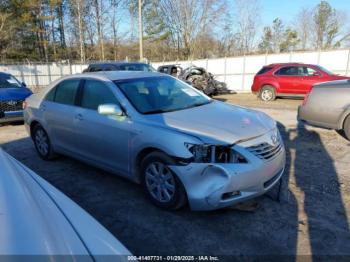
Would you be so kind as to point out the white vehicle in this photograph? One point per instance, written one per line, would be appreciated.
(37, 219)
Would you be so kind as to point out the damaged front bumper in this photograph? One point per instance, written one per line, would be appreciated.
(211, 186)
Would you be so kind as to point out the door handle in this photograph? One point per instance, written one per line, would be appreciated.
(79, 117)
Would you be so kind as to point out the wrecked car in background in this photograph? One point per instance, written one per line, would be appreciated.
(198, 77)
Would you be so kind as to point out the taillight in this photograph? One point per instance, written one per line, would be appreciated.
(24, 105)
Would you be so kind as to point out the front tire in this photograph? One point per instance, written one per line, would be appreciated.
(160, 184)
(42, 143)
(267, 93)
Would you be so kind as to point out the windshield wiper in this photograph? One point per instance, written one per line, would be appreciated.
(202, 104)
(158, 111)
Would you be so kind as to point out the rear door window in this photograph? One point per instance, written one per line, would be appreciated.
(96, 93)
(264, 70)
(109, 68)
(95, 68)
(290, 71)
(66, 92)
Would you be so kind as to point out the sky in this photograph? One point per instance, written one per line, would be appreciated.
(288, 9)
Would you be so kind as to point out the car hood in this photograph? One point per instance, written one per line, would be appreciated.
(14, 93)
(37, 219)
(217, 122)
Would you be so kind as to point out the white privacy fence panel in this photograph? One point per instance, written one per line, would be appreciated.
(237, 72)
(38, 75)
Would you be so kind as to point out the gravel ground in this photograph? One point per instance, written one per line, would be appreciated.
(311, 218)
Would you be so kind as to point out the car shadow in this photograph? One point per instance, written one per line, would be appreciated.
(324, 215)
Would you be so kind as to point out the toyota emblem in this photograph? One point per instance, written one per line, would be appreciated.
(274, 139)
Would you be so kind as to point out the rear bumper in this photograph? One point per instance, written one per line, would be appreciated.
(6, 117)
(306, 117)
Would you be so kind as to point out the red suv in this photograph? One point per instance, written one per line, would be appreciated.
(289, 79)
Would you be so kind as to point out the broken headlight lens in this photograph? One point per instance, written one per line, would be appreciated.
(201, 153)
(214, 154)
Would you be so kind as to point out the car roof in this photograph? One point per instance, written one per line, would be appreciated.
(169, 65)
(117, 63)
(290, 64)
(120, 75)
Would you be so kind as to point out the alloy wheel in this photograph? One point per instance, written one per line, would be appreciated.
(160, 182)
(266, 95)
(42, 142)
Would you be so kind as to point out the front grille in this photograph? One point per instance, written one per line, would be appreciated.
(11, 105)
(265, 151)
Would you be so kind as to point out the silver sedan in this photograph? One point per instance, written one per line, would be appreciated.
(156, 130)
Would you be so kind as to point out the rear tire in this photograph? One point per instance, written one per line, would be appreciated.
(161, 185)
(267, 93)
(42, 143)
(346, 128)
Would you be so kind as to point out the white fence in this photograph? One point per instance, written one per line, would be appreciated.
(237, 72)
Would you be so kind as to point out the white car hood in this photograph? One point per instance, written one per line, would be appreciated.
(37, 219)
(217, 122)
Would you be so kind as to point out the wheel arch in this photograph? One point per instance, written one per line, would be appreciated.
(33, 124)
(148, 150)
(343, 117)
(273, 85)
(140, 156)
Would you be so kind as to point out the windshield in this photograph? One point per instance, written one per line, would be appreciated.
(326, 70)
(161, 94)
(8, 81)
(137, 67)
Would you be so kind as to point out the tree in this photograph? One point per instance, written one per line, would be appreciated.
(248, 18)
(99, 12)
(115, 5)
(5, 31)
(326, 24)
(303, 27)
(290, 40)
(187, 19)
(277, 34)
(273, 37)
(79, 9)
(266, 41)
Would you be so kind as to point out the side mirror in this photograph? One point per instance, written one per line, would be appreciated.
(316, 74)
(24, 84)
(110, 110)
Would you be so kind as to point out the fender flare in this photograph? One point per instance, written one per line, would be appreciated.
(272, 84)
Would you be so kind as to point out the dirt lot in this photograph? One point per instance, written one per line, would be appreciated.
(312, 218)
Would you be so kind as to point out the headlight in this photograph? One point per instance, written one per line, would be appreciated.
(214, 154)
(201, 153)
